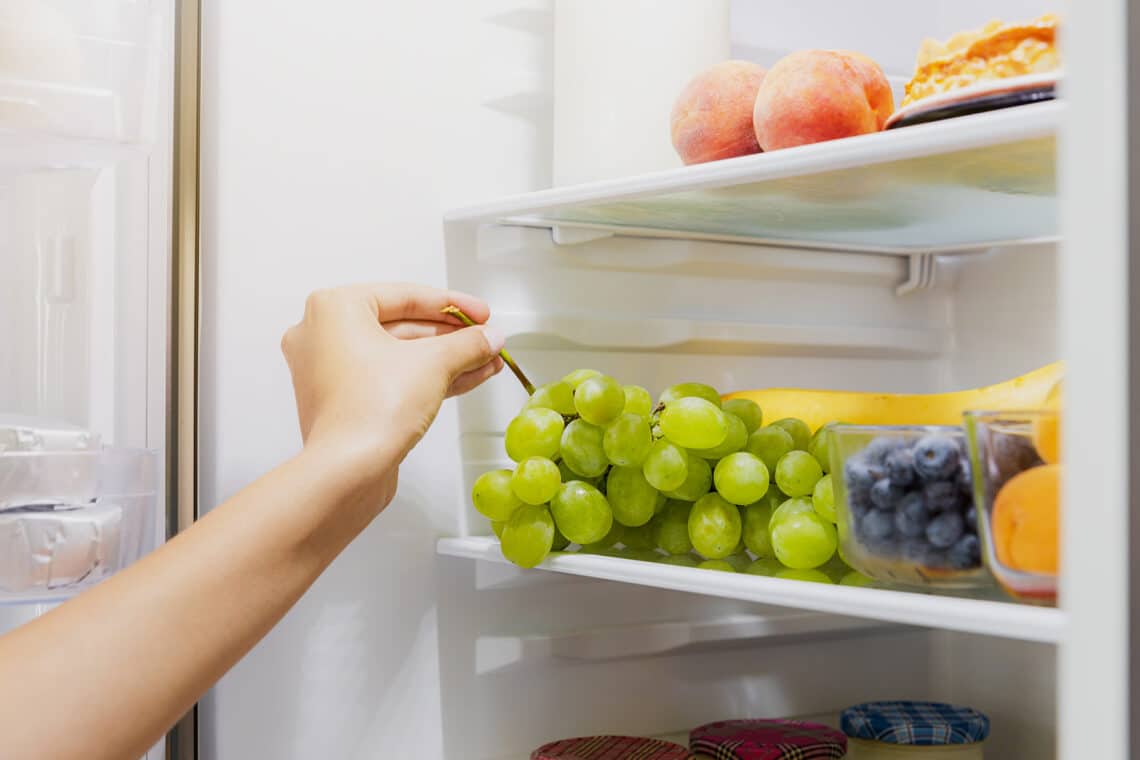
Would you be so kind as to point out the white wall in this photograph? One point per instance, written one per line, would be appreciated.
(334, 136)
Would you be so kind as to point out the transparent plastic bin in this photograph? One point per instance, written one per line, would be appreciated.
(883, 546)
(52, 548)
(1003, 446)
(76, 67)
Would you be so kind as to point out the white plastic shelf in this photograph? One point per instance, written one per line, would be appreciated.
(993, 618)
(961, 184)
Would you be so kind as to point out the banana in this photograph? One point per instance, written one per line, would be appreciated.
(819, 407)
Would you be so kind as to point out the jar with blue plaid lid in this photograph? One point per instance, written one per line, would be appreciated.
(898, 730)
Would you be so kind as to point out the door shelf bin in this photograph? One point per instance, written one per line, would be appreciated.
(72, 518)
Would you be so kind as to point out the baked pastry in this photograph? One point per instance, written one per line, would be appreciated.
(997, 51)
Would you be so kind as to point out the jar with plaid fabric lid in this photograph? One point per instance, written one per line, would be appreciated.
(610, 748)
(766, 740)
(901, 730)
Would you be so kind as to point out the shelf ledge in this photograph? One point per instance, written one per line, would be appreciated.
(992, 618)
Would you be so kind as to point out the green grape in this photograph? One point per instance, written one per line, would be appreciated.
(807, 574)
(739, 561)
(717, 564)
(581, 512)
(632, 498)
(671, 527)
(681, 560)
(582, 449)
(599, 400)
(789, 507)
(823, 499)
(528, 535)
(747, 411)
(770, 443)
(666, 466)
(697, 483)
(734, 440)
(856, 578)
(627, 440)
(764, 566)
(560, 541)
(493, 497)
(798, 430)
(755, 529)
(640, 538)
(714, 527)
(566, 473)
(579, 376)
(536, 480)
(693, 423)
(599, 550)
(803, 540)
(797, 472)
(534, 433)
(497, 526)
(690, 390)
(613, 537)
(741, 478)
(820, 448)
(835, 568)
(557, 396)
(637, 401)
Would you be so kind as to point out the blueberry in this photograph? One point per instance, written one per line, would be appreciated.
(858, 474)
(911, 518)
(917, 551)
(936, 457)
(942, 496)
(965, 553)
(884, 495)
(858, 507)
(972, 519)
(965, 481)
(878, 449)
(945, 529)
(878, 525)
(900, 467)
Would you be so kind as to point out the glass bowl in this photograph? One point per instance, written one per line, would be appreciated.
(904, 501)
(1019, 525)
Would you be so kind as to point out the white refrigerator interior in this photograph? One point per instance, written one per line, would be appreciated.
(86, 104)
(336, 139)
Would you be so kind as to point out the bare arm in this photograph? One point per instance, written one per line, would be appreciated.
(107, 673)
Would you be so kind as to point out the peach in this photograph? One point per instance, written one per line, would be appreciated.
(816, 95)
(1025, 521)
(712, 118)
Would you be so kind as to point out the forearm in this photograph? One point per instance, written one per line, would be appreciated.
(123, 661)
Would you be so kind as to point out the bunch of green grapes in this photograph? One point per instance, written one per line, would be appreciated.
(691, 480)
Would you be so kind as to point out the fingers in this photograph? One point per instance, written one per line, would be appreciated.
(465, 350)
(393, 302)
(412, 329)
(471, 380)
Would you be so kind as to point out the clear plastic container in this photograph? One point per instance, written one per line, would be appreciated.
(52, 547)
(917, 528)
(77, 67)
(1019, 525)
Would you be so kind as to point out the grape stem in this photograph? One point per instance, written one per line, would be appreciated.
(458, 313)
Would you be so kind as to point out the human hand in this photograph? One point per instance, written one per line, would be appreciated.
(371, 365)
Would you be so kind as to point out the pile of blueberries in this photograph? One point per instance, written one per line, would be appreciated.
(914, 499)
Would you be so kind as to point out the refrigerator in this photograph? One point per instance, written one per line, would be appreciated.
(285, 147)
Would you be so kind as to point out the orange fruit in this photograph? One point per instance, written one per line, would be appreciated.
(1026, 515)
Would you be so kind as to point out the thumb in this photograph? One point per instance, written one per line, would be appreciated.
(467, 349)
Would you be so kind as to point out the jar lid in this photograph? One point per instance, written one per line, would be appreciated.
(768, 740)
(919, 723)
(610, 748)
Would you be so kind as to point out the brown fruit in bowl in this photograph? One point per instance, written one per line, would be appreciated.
(815, 95)
(712, 118)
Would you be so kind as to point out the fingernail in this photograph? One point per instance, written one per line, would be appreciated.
(495, 338)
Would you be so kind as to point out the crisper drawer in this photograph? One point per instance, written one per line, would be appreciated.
(76, 67)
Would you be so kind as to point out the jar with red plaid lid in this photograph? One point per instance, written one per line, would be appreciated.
(767, 740)
(610, 748)
(902, 730)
